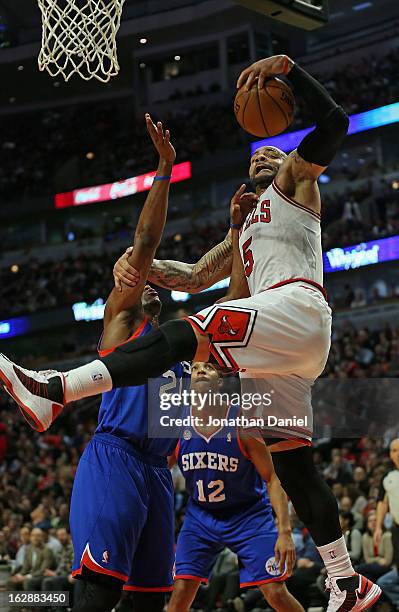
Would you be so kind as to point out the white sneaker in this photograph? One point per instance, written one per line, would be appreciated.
(39, 395)
(351, 594)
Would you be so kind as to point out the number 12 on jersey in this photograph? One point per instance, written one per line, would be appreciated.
(215, 495)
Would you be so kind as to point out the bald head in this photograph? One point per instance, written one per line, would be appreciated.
(394, 452)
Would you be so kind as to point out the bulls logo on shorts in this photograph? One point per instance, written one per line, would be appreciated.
(228, 327)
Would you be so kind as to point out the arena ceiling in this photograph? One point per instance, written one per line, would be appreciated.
(25, 83)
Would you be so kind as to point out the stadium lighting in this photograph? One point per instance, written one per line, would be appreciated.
(369, 120)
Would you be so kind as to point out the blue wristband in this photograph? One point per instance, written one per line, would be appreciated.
(162, 178)
(235, 226)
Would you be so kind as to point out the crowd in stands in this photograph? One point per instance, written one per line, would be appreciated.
(55, 153)
(348, 219)
(361, 353)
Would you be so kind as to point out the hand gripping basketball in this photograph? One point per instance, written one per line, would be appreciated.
(263, 69)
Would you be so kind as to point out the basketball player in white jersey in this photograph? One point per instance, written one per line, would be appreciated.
(275, 328)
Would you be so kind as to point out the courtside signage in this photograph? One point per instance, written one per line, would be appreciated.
(121, 189)
(363, 254)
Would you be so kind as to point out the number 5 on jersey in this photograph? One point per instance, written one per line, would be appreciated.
(248, 257)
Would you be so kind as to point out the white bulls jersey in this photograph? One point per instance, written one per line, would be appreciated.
(280, 240)
(279, 337)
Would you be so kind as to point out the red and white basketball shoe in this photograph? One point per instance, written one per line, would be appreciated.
(351, 594)
(40, 395)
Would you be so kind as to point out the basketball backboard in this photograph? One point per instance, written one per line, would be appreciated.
(304, 14)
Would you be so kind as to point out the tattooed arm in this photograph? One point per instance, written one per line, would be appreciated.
(214, 266)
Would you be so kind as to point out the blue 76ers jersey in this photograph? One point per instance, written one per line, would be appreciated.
(125, 412)
(218, 474)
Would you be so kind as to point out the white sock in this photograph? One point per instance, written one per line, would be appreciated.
(88, 380)
(336, 559)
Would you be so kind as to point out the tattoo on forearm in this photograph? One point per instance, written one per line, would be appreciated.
(213, 266)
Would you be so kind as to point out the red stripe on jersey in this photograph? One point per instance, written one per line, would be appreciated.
(105, 352)
(189, 577)
(91, 564)
(301, 280)
(168, 589)
(266, 581)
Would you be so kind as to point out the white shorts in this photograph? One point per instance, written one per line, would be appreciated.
(279, 341)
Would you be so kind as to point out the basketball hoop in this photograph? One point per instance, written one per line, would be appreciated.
(79, 37)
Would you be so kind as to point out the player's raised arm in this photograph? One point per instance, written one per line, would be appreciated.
(317, 149)
(262, 460)
(214, 266)
(149, 229)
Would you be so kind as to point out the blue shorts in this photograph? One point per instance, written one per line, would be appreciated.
(251, 534)
(122, 515)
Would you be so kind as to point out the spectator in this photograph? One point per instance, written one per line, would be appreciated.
(52, 543)
(61, 521)
(38, 558)
(378, 560)
(61, 579)
(24, 537)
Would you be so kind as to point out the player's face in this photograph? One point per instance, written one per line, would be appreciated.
(150, 300)
(204, 377)
(394, 452)
(265, 163)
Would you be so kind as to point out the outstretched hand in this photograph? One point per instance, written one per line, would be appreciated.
(161, 140)
(263, 69)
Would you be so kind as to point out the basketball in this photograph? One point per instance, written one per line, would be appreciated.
(265, 112)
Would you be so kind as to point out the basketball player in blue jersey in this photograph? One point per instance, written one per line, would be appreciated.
(229, 504)
(122, 516)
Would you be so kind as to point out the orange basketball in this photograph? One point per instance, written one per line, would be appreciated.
(265, 112)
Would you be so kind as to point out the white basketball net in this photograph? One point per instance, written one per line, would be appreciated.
(79, 36)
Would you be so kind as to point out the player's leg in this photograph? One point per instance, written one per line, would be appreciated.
(98, 595)
(279, 598)
(253, 536)
(183, 595)
(196, 552)
(42, 395)
(144, 602)
(313, 501)
(245, 335)
(152, 567)
(108, 510)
